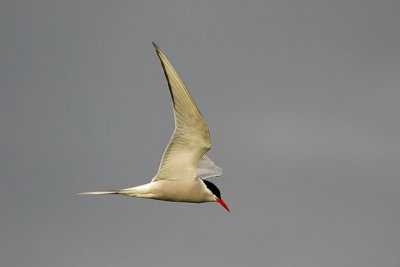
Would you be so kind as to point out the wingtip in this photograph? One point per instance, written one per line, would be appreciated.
(156, 46)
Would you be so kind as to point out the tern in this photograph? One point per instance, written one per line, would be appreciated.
(184, 165)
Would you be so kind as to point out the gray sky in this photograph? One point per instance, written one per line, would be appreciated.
(301, 98)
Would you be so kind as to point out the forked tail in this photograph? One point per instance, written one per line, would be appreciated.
(99, 192)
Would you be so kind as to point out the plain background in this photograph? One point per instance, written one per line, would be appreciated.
(302, 101)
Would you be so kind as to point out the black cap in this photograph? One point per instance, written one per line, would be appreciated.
(213, 188)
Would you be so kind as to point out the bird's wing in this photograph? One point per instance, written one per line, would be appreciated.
(191, 138)
(207, 168)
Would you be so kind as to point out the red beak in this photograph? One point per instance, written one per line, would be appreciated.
(220, 201)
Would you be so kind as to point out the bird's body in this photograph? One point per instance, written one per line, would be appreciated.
(178, 191)
(184, 164)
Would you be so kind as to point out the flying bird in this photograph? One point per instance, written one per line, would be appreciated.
(184, 165)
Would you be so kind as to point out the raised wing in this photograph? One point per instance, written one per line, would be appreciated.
(191, 138)
(207, 168)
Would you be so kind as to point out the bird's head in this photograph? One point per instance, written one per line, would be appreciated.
(216, 194)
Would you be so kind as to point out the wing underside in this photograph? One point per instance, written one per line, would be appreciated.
(190, 139)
